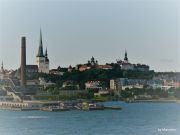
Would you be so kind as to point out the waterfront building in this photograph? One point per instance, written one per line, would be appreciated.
(115, 86)
(112, 84)
(42, 59)
(124, 83)
(164, 84)
(155, 83)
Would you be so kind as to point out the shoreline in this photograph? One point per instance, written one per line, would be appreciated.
(53, 106)
(161, 100)
(155, 101)
(37, 105)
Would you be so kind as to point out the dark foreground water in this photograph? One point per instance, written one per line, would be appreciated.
(134, 119)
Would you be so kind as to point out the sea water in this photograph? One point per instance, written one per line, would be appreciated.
(133, 119)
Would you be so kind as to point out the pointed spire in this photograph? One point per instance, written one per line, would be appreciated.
(125, 57)
(2, 68)
(40, 51)
(46, 54)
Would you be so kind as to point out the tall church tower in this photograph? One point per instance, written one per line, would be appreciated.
(125, 57)
(41, 58)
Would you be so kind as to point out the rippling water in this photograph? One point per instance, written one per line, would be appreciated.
(134, 119)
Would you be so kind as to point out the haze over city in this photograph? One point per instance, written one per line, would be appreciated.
(73, 31)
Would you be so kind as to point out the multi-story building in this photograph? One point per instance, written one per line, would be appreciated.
(115, 86)
(123, 83)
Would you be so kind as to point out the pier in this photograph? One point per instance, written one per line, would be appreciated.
(54, 106)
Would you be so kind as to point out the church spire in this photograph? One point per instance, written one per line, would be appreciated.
(125, 57)
(40, 51)
(2, 68)
(46, 54)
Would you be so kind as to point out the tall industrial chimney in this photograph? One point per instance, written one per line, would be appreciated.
(23, 62)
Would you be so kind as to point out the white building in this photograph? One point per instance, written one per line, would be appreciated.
(115, 86)
(42, 59)
(127, 66)
(112, 85)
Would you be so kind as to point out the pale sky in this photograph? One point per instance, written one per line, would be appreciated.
(75, 30)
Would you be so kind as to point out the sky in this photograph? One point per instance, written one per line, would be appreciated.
(75, 30)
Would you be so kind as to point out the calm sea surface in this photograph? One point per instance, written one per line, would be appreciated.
(134, 119)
